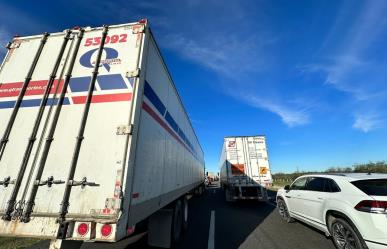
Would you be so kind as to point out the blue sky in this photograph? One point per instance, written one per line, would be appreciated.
(310, 75)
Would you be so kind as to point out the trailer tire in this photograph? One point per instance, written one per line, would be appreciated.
(185, 213)
(201, 190)
(228, 195)
(198, 191)
(177, 222)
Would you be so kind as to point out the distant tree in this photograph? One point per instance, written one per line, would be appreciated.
(370, 167)
(339, 170)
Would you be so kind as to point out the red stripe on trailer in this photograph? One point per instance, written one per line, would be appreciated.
(135, 195)
(34, 88)
(106, 211)
(115, 97)
(154, 115)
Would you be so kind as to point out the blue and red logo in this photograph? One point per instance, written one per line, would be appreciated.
(110, 87)
(111, 58)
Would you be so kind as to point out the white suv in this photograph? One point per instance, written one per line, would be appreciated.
(352, 208)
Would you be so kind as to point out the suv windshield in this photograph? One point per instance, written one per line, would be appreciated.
(376, 187)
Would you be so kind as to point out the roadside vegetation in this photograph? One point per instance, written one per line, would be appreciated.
(282, 179)
(13, 243)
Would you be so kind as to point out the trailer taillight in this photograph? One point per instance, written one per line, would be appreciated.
(106, 230)
(83, 228)
(143, 21)
(131, 229)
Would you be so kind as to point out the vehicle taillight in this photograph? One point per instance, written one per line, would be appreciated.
(83, 228)
(371, 206)
(106, 230)
(143, 20)
(131, 229)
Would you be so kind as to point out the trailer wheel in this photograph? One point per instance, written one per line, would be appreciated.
(185, 213)
(201, 190)
(228, 195)
(177, 222)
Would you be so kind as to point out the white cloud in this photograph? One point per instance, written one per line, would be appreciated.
(233, 58)
(227, 55)
(291, 116)
(350, 64)
(347, 69)
(367, 122)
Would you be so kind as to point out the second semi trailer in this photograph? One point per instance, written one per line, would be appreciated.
(244, 168)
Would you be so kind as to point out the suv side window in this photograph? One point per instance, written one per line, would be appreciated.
(331, 186)
(316, 184)
(299, 184)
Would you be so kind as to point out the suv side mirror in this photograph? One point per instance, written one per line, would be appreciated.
(287, 187)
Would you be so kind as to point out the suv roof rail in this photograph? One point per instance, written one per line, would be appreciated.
(324, 173)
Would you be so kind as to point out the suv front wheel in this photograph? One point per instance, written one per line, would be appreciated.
(344, 235)
(283, 211)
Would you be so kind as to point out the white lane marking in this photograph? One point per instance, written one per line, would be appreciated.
(211, 232)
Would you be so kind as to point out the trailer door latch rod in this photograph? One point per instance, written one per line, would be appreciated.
(50, 180)
(83, 183)
(7, 181)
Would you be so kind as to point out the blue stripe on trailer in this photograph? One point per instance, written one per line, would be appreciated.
(111, 81)
(154, 99)
(7, 104)
(31, 103)
(171, 122)
(80, 84)
(158, 104)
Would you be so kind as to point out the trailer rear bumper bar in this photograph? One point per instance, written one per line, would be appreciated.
(48, 228)
(246, 192)
(249, 198)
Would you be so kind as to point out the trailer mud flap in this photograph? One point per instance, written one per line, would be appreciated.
(159, 225)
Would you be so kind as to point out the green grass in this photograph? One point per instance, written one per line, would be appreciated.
(281, 184)
(16, 243)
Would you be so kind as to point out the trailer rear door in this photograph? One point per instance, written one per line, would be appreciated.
(247, 160)
(104, 147)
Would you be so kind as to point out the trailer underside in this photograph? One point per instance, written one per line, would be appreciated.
(245, 192)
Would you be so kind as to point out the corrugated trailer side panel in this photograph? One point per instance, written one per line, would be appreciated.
(223, 165)
(169, 160)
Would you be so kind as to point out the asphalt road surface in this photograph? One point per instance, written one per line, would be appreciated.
(244, 224)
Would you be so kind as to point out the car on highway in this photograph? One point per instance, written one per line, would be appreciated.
(352, 208)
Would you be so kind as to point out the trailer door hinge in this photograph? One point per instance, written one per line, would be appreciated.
(124, 130)
(134, 73)
(7, 180)
(12, 45)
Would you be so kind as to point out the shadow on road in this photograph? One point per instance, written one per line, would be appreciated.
(236, 221)
(241, 224)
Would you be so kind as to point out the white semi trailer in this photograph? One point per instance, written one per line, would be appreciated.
(244, 168)
(95, 142)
